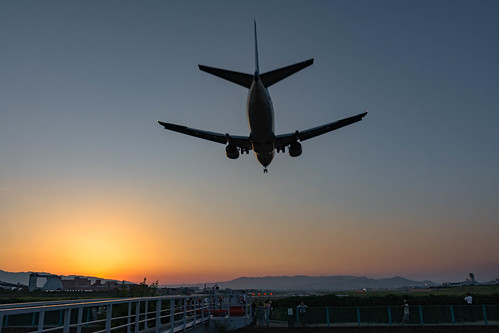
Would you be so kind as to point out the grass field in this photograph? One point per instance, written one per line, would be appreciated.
(25, 296)
(440, 291)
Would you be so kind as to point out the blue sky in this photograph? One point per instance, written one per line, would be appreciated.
(411, 190)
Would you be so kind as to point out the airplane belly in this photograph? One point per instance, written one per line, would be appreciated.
(261, 122)
(262, 133)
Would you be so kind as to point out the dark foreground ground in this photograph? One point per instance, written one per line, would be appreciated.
(374, 329)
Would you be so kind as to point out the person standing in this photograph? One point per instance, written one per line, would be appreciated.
(268, 307)
(405, 319)
(242, 298)
(260, 315)
(469, 301)
(302, 313)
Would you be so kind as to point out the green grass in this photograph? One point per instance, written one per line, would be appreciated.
(433, 296)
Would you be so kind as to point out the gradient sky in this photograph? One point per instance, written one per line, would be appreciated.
(90, 184)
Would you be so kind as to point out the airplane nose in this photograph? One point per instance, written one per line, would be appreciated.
(265, 159)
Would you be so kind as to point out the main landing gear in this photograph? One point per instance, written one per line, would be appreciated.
(265, 170)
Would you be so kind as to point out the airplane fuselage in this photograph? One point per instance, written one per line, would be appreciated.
(260, 112)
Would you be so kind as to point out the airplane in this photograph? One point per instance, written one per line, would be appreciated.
(260, 113)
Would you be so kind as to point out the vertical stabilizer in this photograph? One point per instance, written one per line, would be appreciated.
(257, 69)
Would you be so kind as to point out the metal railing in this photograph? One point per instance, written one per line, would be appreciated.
(158, 314)
(382, 315)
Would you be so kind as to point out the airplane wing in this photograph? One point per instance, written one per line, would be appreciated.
(285, 139)
(240, 141)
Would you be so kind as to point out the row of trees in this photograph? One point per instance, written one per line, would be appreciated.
(138, 290)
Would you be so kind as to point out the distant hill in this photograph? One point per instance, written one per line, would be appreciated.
(23, 277)
(317, 283)
(276, 283)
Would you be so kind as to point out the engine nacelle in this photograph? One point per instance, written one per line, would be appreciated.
(295, 149)
(232, 152)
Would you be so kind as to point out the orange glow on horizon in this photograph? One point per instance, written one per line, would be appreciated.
(115, 237)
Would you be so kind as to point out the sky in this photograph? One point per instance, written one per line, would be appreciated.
(90, 184)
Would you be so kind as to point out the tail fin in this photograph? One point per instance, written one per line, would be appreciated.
(268, 78)
(257, 67)
(277, 75)
(241, 79)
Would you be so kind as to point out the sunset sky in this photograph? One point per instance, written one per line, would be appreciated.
(90, 184)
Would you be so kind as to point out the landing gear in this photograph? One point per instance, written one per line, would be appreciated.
(265, 170)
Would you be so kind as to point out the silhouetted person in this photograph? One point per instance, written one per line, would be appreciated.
(260, 315)
(405, 319)
(242, 298)
(469, 301)
(220, 301)
(253, 312)
(302, 313)
(268, 308)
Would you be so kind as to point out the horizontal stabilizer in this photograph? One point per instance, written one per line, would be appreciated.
(242, 79)
(277, 75)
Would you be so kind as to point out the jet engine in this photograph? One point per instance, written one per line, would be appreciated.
(295, 149)
(232, 152)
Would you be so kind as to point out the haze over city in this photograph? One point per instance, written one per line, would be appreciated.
(90, 184)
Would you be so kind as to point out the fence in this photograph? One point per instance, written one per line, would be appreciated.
(180, 313)
(167, 313)
(385, 315)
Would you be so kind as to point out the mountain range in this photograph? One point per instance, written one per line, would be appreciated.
(316, 283)
(276, 283)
